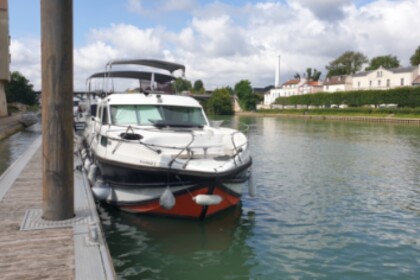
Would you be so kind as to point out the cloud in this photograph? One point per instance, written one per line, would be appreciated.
(326, 10)
(222, 44)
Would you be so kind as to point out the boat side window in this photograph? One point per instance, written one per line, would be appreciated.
(104, 115)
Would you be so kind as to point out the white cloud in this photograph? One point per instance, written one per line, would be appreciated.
(222, 44)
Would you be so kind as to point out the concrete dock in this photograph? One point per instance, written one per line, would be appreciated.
(33, 248)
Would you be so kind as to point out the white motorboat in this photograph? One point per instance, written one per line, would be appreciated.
(156, 153)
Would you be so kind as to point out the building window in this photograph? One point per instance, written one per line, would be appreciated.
(358, 84)
(379, 83)
(402, 81)
(388, 83)
(379, 74)
(370, 83)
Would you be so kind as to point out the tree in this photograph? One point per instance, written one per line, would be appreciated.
(245, 95)
(181, 85)
(220, 102)
(386, 61)
(348, 63)
(199, 87)
(296, 76)
(312, 75)
(415, 58)
(20, 90)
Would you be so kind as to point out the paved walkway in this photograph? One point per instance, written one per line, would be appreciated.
(32, 248)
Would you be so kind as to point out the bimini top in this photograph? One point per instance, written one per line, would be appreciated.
(139, 75)
(165, 65)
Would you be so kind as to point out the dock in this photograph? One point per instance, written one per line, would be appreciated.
(33, 248)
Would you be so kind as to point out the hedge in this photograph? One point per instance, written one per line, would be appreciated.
(403, 97)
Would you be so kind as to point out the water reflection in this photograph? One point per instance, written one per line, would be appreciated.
(161, 248)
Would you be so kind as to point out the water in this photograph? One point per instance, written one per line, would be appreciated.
(12, 147)
(335, 201)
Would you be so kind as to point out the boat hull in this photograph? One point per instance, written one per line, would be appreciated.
(185, 206)
(139, 191)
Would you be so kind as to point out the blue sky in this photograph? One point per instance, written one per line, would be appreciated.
(221, 42)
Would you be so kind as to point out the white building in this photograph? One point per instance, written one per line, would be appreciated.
(289, 88)
(337, 83)
(382, 78)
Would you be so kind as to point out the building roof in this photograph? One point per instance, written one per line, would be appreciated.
(335, 80)
(292, 82)
(417, 80)
(393, 70)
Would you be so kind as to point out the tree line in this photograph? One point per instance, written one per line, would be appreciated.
(351, 62)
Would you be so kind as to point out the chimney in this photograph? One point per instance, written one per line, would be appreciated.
(277, 75)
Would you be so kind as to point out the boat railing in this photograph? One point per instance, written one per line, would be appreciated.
(186, 152)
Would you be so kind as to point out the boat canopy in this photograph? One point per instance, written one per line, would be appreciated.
(165, 65)
(139, 75)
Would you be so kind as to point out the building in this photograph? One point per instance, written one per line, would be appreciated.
(337, 83)
(4, 55)
(311, 87)
(382, 78)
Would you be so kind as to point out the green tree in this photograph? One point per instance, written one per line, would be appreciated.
(346, 64)
(199, 87)
(386, 61)
(245, 94)
(20, 90)
(181, 85)
(220, 102)
(415, 58)
(312, 74)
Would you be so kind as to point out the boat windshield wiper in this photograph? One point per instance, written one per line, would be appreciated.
(167, 123)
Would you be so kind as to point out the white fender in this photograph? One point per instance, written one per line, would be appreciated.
(167, 199)
(101, 190)
(92, 174)
(207, 199)
(87, 164)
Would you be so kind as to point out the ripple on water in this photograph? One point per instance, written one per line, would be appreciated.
(335, 201)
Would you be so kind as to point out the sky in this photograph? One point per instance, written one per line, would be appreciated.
(221, 42)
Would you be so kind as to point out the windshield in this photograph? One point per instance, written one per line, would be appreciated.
(150, 114)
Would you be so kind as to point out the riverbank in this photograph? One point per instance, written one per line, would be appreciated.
(10, 125)
(390, 118)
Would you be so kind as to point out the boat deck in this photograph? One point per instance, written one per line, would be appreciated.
(32, 248)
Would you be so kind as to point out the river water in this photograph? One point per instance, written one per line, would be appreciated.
(335, 200)
(12, 147)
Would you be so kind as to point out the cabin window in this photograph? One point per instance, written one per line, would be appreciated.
(147, 114)
(379, 74)
(402, 81)
(379, 83)
(388, 82)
